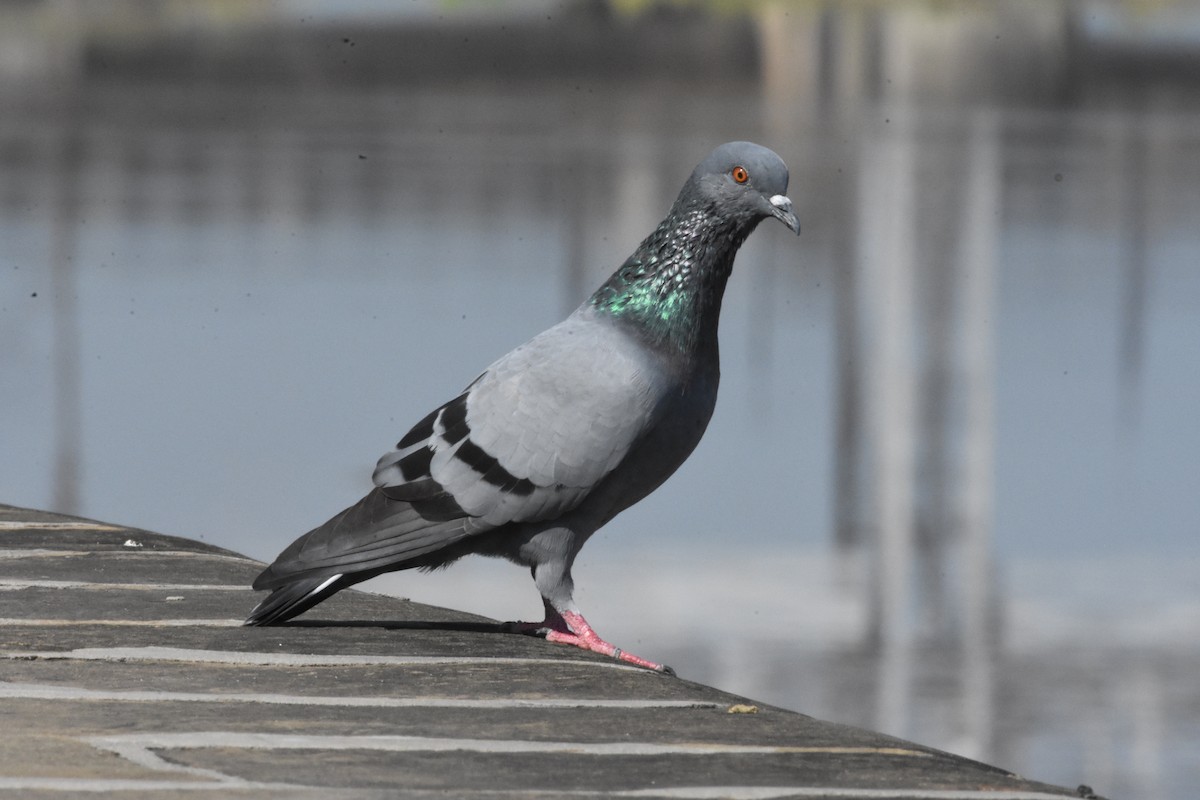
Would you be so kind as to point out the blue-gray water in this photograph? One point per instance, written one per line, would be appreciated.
(258, 290)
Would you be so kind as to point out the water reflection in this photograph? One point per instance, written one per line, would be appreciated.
(223, 298)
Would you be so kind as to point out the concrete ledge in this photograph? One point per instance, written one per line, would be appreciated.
(124, 671)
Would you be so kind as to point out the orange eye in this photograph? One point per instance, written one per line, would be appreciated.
(740, 175)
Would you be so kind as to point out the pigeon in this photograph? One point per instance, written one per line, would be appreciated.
(564, 432)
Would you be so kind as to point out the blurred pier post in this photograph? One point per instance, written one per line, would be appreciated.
(886, 293)
(979, 232)
(64, 220)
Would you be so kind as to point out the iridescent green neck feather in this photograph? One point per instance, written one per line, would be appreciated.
(670, 289)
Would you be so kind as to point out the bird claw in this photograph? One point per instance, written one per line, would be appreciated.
(571, 628)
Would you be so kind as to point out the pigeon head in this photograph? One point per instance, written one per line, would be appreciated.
(669, 291)
(743, 181)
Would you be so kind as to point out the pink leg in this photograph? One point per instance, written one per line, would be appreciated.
(570, 627)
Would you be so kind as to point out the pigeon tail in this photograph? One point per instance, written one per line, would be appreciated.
(376, 534)
(294, 598)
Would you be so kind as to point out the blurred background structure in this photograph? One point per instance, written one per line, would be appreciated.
(950, 488)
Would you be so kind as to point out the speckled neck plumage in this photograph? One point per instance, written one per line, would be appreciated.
(670, 289)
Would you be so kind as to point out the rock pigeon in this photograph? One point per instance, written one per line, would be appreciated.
(563, 433)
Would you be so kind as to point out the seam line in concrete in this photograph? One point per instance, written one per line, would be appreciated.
(132, 552)
(10, 584)
(125, 785)
(779, 792)
(53, 692)
(113, 785)
(141, 744)
(254, 658)
(17, 525)
(19, 622)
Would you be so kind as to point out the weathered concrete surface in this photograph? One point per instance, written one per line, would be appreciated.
(124, 671)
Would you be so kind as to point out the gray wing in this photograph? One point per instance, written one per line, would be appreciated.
(531, 437)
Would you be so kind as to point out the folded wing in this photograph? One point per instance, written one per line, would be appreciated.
(526, 441)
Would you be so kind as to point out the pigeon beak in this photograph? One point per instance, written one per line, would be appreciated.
(781, 209)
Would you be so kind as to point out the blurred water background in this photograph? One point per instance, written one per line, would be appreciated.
(950, 490)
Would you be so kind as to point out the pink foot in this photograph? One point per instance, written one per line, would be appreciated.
(570, 627)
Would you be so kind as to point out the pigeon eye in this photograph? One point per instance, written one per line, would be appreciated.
(740, 175)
